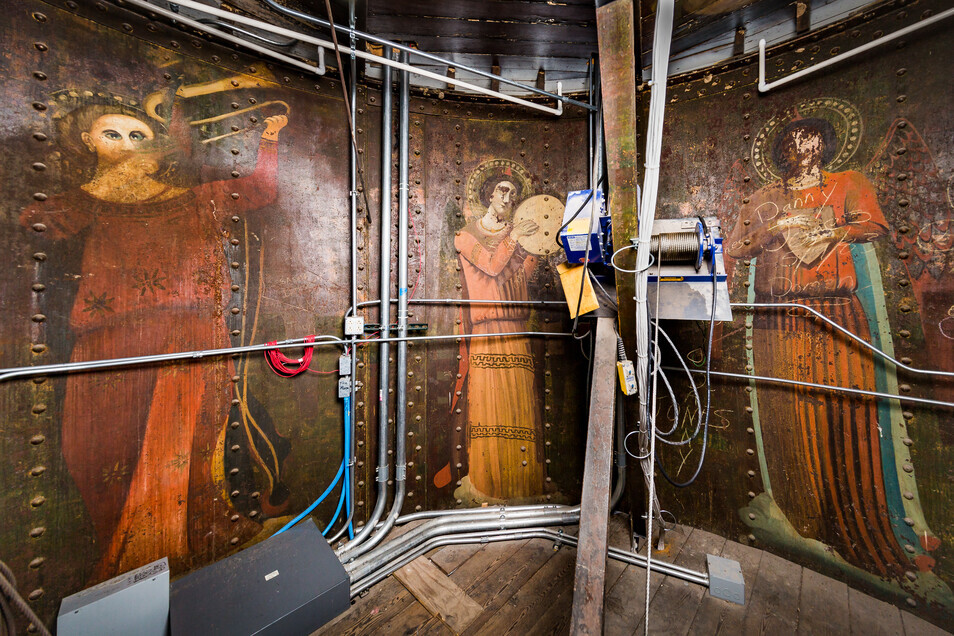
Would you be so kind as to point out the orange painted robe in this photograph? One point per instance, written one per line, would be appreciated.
(139, 442)
(822, 449)
(503, 423)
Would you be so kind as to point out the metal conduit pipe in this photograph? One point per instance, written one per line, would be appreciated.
(620, 452)
(463, 512)
(111, 363)
(376, 559)
(815, 385)
(204, 28)
(428, 56)
(852, 335)
(667, 569)
(352, 550)
(384, 433)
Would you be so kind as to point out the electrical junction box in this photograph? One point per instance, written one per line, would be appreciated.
(291, 583)
(725, 579)
(344, 365)
(585, 229)
(354, 326)
(133, 603)
(685, 293)
(344, 387)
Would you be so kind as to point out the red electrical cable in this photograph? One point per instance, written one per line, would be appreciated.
(282, 364)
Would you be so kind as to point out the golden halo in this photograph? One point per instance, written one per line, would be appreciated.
(497, 170)
(840, 113)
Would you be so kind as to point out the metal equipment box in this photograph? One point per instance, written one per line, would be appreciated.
(289, 584)
(136, 602)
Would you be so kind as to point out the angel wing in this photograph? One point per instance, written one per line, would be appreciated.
(912, 195)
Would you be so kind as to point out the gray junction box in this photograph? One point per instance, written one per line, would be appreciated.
(291, 583)
(136, 602)
(725, 579)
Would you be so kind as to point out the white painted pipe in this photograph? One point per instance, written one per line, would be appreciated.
(205, 28)
(277, 30)
(765, 87)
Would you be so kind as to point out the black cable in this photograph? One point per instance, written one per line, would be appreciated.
(705, 426)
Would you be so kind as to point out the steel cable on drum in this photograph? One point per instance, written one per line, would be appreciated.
(675, 247)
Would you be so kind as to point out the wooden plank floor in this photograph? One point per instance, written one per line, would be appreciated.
(526, 587)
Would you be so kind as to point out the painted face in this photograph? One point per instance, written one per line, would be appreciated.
(501, 201)
(116, 138)
(807, 145)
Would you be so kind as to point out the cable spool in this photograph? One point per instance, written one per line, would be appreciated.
(680, 247)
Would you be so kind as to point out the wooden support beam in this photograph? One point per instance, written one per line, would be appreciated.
(590, 576)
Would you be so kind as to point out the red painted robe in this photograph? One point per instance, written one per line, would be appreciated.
(822, 449)
(503, 423)
(140, 442)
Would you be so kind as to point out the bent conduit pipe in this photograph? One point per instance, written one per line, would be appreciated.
(376, 559)
(382, 472)
(815, 385)
(354, 548)
(853, 336)
(428, 56)
(204, 28)
(112, 363)
(667, 569)
(302, 37)
(765, 87)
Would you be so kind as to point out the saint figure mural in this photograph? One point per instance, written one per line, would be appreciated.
(154, 279)
(822, 450)
(503, 422)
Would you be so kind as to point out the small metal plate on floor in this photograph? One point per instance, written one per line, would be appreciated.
(725, 579)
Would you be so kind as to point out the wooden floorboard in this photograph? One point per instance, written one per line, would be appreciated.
(525, 587)
(916, 626)
(823, 605)
(625, 603)
(773, 608)
(472, 574)
(716, 616)
(675, 604)
(523, 609)
(871, 617)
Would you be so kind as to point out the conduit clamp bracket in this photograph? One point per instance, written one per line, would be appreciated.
(400, 472)
(383, 472)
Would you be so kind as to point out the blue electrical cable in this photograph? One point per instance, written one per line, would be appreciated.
(342, 471)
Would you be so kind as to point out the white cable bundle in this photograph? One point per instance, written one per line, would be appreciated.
(647, 209)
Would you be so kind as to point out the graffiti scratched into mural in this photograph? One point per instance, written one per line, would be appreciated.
(142, 455)
(830, 484)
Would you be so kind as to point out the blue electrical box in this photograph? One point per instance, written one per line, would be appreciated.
(590, 225)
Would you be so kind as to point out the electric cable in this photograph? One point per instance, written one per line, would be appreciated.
(342, 469)
(692, 383)
(9, 596)
(281, 364)
(705, 424)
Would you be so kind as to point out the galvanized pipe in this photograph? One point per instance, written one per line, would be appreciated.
(827, 387)
(266, 26)
(428, 56)
(852, 335)
(353, 549)
(464, 512)
(384, 430)
(111, 363)
(667, 569)
(227, 37)
(375, 560)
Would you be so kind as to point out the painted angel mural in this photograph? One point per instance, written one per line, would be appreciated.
(832, 486)
(146, 454)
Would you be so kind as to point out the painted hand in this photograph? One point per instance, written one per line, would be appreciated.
(524, 228)
(273, 125)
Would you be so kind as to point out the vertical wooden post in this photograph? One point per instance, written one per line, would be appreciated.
(588, 585)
